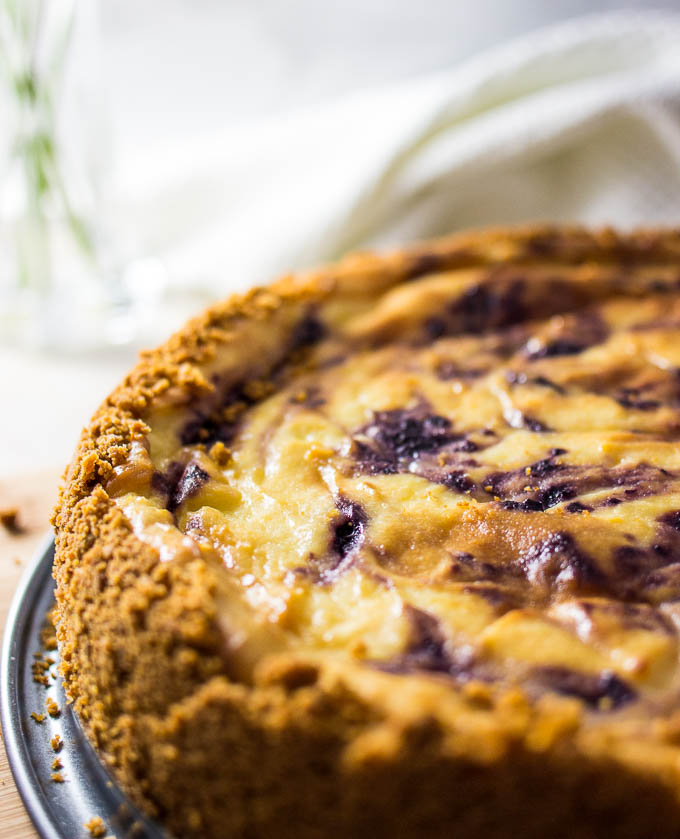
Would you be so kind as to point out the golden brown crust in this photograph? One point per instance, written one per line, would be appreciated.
(305, 750)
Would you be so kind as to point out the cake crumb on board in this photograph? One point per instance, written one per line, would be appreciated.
(9, 519)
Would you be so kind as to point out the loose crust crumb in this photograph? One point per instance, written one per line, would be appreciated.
(95, 827)
(9, 519)
(52, 707)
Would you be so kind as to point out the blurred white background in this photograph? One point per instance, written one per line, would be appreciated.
(195, 94)
(180, 68)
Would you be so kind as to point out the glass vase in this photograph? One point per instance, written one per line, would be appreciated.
(60, 278)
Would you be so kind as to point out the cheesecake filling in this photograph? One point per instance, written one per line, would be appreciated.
(467, 480)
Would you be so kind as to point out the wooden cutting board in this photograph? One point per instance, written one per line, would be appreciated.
(34, 497)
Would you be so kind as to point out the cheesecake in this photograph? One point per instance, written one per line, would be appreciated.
(392, 548)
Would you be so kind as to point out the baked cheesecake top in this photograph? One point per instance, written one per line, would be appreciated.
(468, 473)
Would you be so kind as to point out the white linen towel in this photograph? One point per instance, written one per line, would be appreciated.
(576, 122)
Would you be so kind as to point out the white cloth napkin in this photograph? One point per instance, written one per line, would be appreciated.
(576, 122)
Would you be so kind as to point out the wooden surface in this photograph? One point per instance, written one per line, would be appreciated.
(34, 497)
